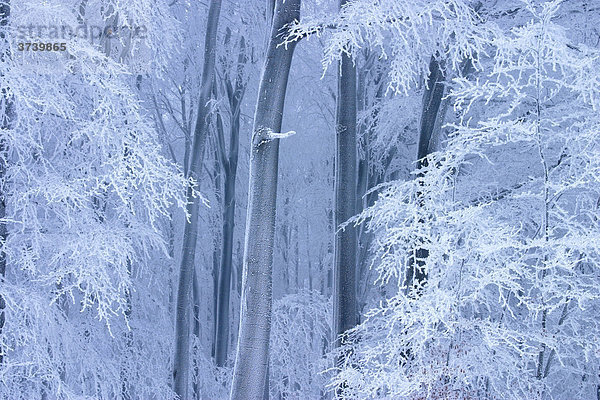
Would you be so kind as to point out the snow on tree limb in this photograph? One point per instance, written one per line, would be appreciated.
(265, 135)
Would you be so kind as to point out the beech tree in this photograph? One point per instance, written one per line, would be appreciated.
(86, 191)
(252, 355)
(509, 279)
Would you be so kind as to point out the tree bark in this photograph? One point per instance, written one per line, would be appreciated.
(252, 356)
(344, 312)
(181, 364)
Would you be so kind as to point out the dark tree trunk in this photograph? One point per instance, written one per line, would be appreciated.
(229, 162)
(432, 100)
(345, 199)
(224, 281)
(181, 364)
(196, 296)
(252, 357)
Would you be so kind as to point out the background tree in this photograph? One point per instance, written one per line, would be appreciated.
(181, 362)
(234, 90)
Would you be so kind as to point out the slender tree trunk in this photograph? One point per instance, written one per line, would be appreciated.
(196, 296)
(230, 167)
(270, 11)
(296, 259)
(229, 161)
(433, 113)
(344, 311)
(224, 282)
(330, 251)
(252, 357)
(5, 123)
(181, 363)
(364, 131)
(127, 387)
(432, 100)
(216, 260)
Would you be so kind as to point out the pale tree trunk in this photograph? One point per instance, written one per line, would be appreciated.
(5, 123)
(252, 356)
(344, 311)
(229, 163)
(181, 363)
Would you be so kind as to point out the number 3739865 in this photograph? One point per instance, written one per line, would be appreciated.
(42, 46)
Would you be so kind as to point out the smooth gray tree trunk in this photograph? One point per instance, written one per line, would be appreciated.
(252, 356)
(229, 162)
(5, 123)
(344, 296)
(181, 362)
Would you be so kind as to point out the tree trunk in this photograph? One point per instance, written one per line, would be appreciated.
(229, 163)
(224, 283)
(196, 297)
(367, 178)
(344, 312)
(432, 99)
(181, 363)
(5, 123)
(216, 260)
(252, 356)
